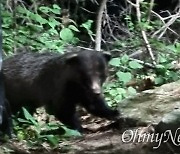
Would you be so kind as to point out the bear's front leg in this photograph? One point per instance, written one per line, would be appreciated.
(97, 106)
(71, 121)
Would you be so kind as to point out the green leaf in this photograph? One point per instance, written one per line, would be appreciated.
(23, 121)
(177, 45)
(162, 59)
(159, 80)
(118, 98)
(124, 77)
(54, 140)
(125, 95)
(115, 62)
(87, 25)
(113, 92)
(28, 116)
(124, 59)
(34, 27)
(44, 9)
(121, 90)
(56, 9)
(53, 31)
(109, 103)
(20, 135)
(38, 18)
(52, 22)
(22, 10)
(72, 27)
(132, 91)
(55, 6)
(135, 65)
(70, 132)
(172, 48)
(66, 34)
(160, 66)
(173, 75)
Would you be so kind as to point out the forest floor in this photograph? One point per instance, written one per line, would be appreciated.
(135, 132)
(102, 136)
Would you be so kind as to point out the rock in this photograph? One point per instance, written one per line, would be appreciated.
(150, 106)
(170, 127)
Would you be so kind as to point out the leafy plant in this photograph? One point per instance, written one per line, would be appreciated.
(41, 30)
(123, 69)
(29, 129)
(87, 26)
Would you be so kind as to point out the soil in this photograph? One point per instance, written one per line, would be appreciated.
(101, 136)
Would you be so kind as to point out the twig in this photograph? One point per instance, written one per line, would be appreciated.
(132, 3)
(163, 21)
(14, 3)
(81, 47)
(148, 47)
(87, 10)
(167, 25)
(149, 11)
(136, 54)
(143, 63)
(109, 27)
(98, 25)
(138, 14)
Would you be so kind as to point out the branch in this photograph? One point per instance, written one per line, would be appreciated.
(14, 4)
(143, 63)
(166, 26)
(131, 3)
(148, 47)
(138, 14)
(149, 11)
(98, 25)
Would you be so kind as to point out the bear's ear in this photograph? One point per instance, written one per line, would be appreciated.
(107, 56)
(72, 58)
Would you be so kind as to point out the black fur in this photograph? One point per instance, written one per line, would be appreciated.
(5, 112)
(59, 82)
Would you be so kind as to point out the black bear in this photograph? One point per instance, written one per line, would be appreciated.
(5, 112)
(58, 82)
